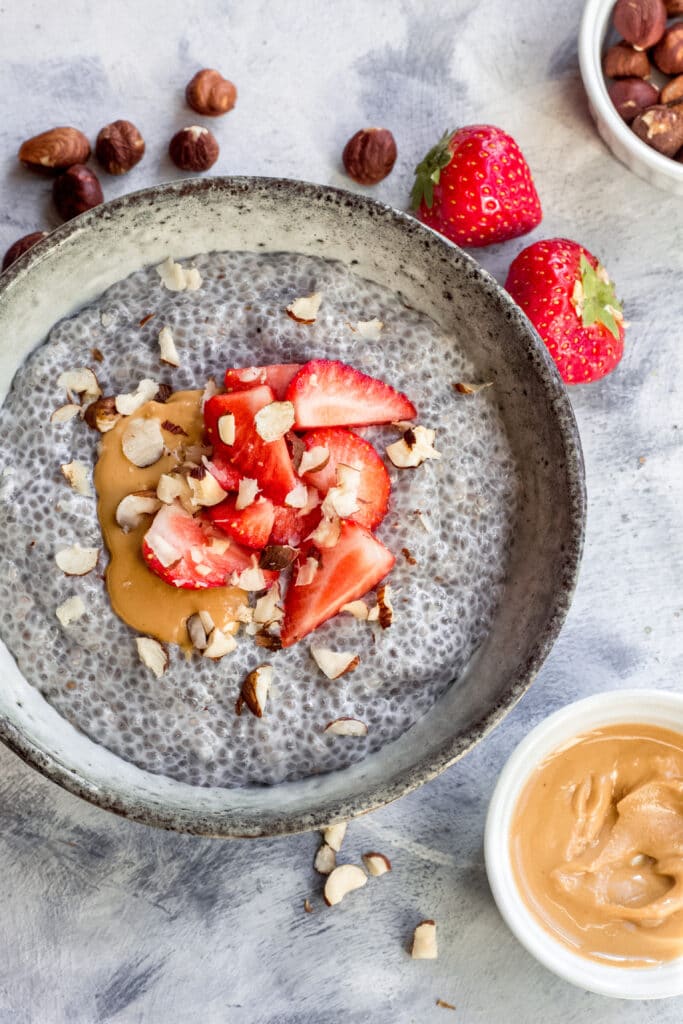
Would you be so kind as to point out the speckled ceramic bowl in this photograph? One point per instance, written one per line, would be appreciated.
(81, 259)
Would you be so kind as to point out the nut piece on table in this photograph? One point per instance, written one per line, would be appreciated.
(622, 61)
(671, 93)
(343, 880)
(369, 155)
(376, 864)
(55, 150)
(76, 191)
(193, 149)
(119, 147)
(631, 96)
(333, 835)
(668, 54)
(21, 246)
(641, 22)
(325, 860)
(210, 94)
(662, 128)
(424, 941)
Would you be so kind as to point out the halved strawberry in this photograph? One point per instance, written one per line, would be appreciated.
(347, 571)
(251, 526)
(189, 552)
(327, 393)
(224, 472)
(291, 527)
(266, 461)
(349, 449)
(276, 376)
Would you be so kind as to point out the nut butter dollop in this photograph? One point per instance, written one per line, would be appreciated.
(597, 844)
(140, 598)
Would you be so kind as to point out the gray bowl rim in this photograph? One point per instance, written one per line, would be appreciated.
(430, 765)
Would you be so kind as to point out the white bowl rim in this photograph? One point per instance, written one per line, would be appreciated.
(595, 14)
(645, 706)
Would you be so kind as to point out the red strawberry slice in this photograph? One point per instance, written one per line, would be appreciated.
(224, 472)
(327, 393)
(250, 526)
(475, 187)
(192, 553)
(571, 302)
(291, 527)
(276, 376)
(268, 462)
(347, 571)
(351, 450)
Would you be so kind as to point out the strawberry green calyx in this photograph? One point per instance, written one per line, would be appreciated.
(428, 172)
(595, 300)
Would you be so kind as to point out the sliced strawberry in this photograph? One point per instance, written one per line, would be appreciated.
(327, 393)
(276, 376)
(190, 552)
(250, 526)
(224, 472)
(347, 571)
(268, 462)
(351, 450)
(290, 526)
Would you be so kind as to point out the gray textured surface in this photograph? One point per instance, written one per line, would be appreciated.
(103, 920)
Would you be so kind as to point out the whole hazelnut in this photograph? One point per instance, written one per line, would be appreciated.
(631, 96)
(21, 246)
(76, 191)
(193, 149)
(668, 54)
(622, 61)
(119, 147)
(641, 22)
(369, 155)
(662, 128)
(210, 94)
(55, 149)
(672, 91)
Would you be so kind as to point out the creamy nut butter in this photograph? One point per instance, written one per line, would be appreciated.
(140, 598)
(597, 844)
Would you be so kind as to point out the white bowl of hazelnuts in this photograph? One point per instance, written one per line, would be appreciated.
(631, 57)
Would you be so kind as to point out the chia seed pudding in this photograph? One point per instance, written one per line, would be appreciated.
(450, 524)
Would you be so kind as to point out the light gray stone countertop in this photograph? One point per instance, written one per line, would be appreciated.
(104, 920)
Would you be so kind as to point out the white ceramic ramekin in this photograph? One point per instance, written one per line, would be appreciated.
(644, 161)
(649, 707)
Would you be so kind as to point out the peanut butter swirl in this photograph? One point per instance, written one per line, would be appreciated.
(140, 598)
(597, 845)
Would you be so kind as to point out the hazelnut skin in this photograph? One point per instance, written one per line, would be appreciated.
(672, 91)
(662, 128)
(370, 155)
(668, 54)
(673, 7)
(21, 246)
(631, 96)
(642, 23)
(119, 147)
(622, 61)
(76, 191)
(210, 94)
(193, 149)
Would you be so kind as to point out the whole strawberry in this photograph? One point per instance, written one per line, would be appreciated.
(570, 300)
(475, 187)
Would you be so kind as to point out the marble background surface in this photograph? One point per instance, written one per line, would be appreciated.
(103, 920)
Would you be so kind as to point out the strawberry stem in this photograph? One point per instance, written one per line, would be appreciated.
(599, 301)
(428, 172)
